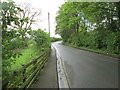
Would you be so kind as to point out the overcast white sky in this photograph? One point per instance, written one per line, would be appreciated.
(51, 6)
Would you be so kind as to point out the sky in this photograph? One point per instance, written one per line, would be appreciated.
(51, 6)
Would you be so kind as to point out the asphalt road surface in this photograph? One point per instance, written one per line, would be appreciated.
(87, 69)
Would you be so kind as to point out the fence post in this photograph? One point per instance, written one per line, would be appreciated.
(24, 74)
(34, 64)
(43, 60)
(4, 86)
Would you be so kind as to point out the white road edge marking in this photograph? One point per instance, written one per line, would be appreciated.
(62, 79)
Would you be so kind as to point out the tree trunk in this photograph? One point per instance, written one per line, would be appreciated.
(118, 10)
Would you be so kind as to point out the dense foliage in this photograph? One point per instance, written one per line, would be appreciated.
(90, 24)
(16, 41)
(54, 39)
(40, 39)
(9, 35)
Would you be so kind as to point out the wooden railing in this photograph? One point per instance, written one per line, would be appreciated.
(24, 77)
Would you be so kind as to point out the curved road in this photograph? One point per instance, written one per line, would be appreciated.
(87, 69)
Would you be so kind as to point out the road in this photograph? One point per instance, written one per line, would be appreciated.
(86, 69)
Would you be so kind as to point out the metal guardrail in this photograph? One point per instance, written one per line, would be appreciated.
(24, 77)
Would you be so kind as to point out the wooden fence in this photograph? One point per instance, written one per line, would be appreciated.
(24, 77)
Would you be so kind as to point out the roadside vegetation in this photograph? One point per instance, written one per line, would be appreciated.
(20, 43)
(90, 25)
(54, 39)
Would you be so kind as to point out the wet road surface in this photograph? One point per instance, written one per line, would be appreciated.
(86, 69)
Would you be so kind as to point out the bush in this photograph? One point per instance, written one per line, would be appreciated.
(53, 39)
(40, 39)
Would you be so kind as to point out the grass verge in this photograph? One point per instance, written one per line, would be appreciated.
(27, 56)
(99, 51)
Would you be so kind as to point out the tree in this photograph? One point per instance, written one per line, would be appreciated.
(90, 24)
(9, 11)
(41, 40)
(28, 16)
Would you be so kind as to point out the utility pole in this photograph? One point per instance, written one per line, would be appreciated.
(49, 22)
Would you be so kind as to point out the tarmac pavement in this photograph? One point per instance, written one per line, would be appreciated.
(48, 77)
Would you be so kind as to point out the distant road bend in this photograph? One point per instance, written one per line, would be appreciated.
(86, 69)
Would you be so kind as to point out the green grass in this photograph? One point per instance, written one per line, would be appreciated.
(23, 59)
(27, 56)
